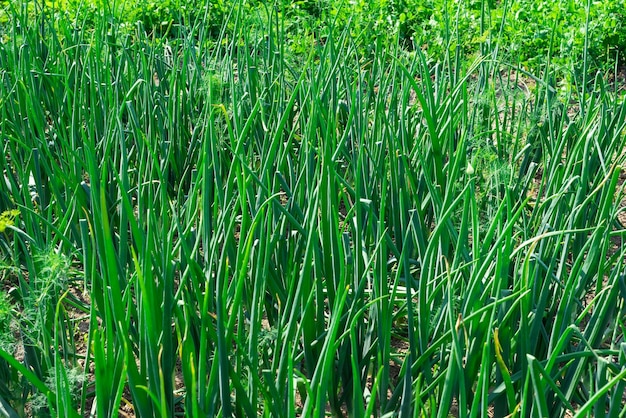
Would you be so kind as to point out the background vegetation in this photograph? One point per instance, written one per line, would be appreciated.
(307, 208)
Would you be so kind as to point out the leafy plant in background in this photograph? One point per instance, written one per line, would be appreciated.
(158, 18)
(608, 30)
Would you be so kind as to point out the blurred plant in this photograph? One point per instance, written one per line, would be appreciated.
(7, 322)
(7, 219)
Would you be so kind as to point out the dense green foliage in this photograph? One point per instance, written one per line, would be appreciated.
(529, 29)
(292, 210)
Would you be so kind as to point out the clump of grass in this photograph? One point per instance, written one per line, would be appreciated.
(261, 233)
